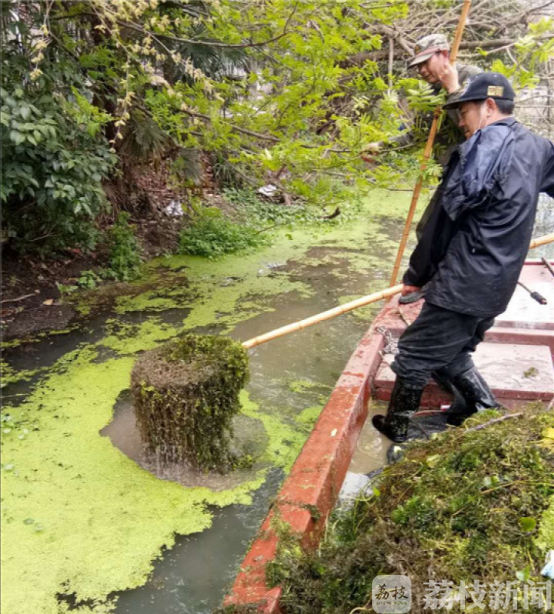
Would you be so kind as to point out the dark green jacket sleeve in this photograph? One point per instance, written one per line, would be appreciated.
(465, 72)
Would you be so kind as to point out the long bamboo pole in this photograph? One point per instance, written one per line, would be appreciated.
(542, 241)
(355, 304)
(428, 149)
(326, 315)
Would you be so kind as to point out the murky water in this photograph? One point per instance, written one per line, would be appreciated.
(192, 576)
(288, 376)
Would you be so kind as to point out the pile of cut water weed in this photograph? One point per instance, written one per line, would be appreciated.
(465, 506)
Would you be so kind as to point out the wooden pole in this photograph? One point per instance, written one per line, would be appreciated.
(542, 241)
(356, 304)
(326, 315)
(428, 149)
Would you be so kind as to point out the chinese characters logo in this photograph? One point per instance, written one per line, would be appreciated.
(391, 594)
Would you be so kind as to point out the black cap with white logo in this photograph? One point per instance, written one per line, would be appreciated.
(483, 86)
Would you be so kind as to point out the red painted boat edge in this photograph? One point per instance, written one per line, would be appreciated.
(310, 491)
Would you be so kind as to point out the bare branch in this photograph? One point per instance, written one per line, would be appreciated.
(494, 421)
(19, 298)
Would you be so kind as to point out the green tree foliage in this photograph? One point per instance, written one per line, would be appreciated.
(54, 156)
(52, 169)
(282, 92)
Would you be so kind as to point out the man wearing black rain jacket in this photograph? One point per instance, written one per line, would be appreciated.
(471, 252)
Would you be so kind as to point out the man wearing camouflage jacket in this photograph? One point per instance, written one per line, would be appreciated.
(431, 57)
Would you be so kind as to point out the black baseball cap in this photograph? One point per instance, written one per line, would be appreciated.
(482, 86)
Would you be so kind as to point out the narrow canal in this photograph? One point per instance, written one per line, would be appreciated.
(88, 523)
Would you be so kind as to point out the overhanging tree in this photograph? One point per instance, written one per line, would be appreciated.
(280, 91)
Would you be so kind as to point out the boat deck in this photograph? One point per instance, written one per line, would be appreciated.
(516, 359)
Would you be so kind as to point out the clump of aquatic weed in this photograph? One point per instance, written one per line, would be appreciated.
(466, 506)
(186, 393)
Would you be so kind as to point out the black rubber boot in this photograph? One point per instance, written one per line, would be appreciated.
(412, 297)
(459, 405)
(403, 403)
(476, 394)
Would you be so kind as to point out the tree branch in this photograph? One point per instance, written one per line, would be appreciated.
(359, 58)
(188, 41)
(19, 298)
(494, 421)
(259, 135)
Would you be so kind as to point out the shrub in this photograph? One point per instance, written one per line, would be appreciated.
(212, 235)
(124, 256)
(53, 166)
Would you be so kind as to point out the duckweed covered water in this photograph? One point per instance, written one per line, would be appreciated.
(87, 525)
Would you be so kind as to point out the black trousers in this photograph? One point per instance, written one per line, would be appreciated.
(439, 340)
